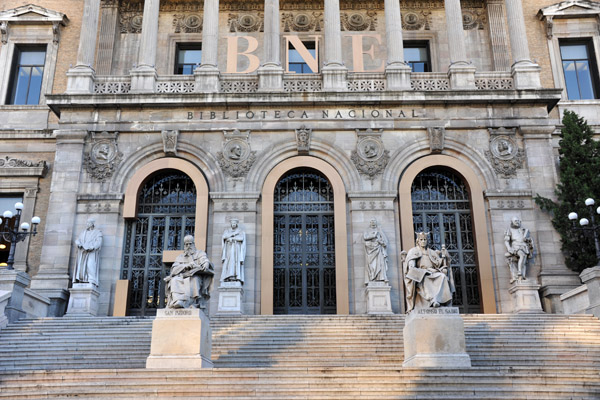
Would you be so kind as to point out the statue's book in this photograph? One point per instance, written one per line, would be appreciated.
(416, 274)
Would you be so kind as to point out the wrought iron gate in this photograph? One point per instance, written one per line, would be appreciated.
(166, 210)
(304, 246)
(441, 205)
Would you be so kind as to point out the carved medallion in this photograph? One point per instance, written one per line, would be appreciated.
(302, 22)
(359, 21)
(187, 23)
(170, 141)
(246, 22)
(473, 19)
(303, 139)
(103, 157)
(131, 22)
(370, 156)
(436, 138)
(237, 158)
(504, 153)
(416, 20)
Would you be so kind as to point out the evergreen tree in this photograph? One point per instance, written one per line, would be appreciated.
(579, 170)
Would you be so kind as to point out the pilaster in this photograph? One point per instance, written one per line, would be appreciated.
(108, 33)
(498, 35)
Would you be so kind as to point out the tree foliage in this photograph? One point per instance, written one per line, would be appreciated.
(579, 169)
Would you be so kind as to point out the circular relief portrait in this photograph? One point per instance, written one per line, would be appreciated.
(247, 21)
(192, 21)
(236, 150)
(103, 152)
(503, 147)
(302, 20)
(370, 149)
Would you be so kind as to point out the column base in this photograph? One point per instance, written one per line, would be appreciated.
(526, 298)
(143, 80)
(14, 282)
(462, 76)
(335, 77)
(83, 300)
(230, 298)
(270, 78)
(181, 339)
(435, 338)
(80, 80)
(398, 77)
(378, 298)
(526, 75)
(207, 79)
(53, 285)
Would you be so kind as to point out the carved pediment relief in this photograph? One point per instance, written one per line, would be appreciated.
(568, 9)
(33, 14)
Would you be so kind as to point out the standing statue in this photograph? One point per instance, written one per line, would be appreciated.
(191, 277)
(519, 247)
(375, 254)
(233, 254)
(88, 254)
(427, 276)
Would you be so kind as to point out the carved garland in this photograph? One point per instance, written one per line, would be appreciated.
(302, 22)
(359, 21)
(246, 22)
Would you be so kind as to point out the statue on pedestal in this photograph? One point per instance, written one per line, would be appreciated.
(191, 277)
(233, 254)
(427, 276)
(88, 254)
(519, 249)
(376, 254)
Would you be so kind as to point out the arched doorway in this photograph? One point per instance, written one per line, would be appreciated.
(304, 244)
(165, 213)
(441, 205)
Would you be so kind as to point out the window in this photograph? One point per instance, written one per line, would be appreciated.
(296, 63)
(7, 202)
(27, 74)
(579, 69)
(416, 55)
(189, 56)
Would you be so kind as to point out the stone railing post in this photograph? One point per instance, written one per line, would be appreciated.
(143, 75)
(80, 79)
(461, 72)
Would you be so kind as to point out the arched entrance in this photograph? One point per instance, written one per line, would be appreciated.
(304, 244)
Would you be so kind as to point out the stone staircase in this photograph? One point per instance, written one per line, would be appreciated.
(302, 357)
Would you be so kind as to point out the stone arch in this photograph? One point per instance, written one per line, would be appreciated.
(341, 238)
(478, 213)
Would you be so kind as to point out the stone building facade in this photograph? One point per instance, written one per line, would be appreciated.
(304, 121)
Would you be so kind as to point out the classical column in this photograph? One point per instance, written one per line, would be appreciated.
(461, 71)
(207, 74)
(270, 74)
(81, 77)
(526, 74)
(143, 75)
(397, 71)
(334, 71)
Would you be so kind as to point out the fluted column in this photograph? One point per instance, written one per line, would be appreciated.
(334, 71)
(397, 71)
(461, 72)
(525, 72)
(270, 74)
(143, 76)
(81, 77)
(207, 75)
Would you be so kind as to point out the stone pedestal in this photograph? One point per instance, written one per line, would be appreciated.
(270, 78)
(526, 297)
(80, 80)
(207, 79)
(398, 77)
(526, 75)
(378, 298)
(230, 298)
(83, 300)
(181, 339)
(4, 298)
(462, 76)
(14, 282)
(435, 338)
(591, 278)
(334, 78)
(143, 80)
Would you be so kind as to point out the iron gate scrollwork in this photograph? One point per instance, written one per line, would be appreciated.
(166, 210)
(441, 205)
(304, 245)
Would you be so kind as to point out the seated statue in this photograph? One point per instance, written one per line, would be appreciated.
(427, 276)
(191, 277)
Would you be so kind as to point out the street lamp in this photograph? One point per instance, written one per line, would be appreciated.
(586, 226)
(10, 232)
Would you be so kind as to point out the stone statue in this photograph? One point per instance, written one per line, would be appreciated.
(191, 277)
(427, 276)
(233, 254)
(88, 254)
(519, 249)
(375, 254)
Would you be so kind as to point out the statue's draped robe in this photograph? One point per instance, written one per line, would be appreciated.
(434, 286)
(376, 256)
(190, 279)
(88, 257)
(233, 255)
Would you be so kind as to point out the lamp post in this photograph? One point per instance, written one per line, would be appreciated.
(587, 227)
(12, 234)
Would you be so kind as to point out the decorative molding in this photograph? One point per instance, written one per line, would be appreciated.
(187, 23)
(131, 22)
(436, 138)
(237, 157)
(473, 19)
(169, 138)
(32, 15)
(302, 22)
(109, 3)
(370, 157)
(414, 20)
(103, 156)
(438, 4)
(18, 167)
(568, 9)
(4, 31)
(235, 5)
(303, 137)
(246, 22)
(504, 153)
(359, 21)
